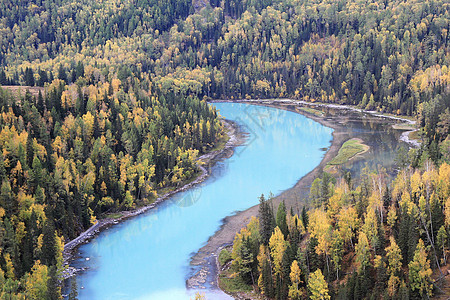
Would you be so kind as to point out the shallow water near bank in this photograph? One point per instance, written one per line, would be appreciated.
(148, 256)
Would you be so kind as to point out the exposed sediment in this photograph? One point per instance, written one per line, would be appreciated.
(204, 164)
(232, 224)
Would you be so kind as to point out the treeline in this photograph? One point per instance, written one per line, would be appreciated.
(78, 152)
(49, 25)
(390, 56)
(371, 241)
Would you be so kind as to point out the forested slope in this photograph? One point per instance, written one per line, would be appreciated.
(65, 163)
(119, 115)
(375, 240)
(387, 55)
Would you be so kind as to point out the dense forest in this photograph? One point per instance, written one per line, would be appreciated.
(82, 151)
(392, 56)
(377, 240)
(117, 110)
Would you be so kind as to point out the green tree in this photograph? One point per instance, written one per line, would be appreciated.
(281, 219)
(266, 219)
(49, 247)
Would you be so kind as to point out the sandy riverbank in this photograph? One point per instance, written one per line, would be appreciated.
(232, 224)
(292, 197)
(206, 161)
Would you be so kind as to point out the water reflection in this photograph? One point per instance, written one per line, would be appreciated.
(148, 257)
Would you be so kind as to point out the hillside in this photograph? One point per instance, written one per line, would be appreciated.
(377, 240)
(115, 110)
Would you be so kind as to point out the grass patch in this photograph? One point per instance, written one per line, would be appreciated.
(411, 118)
(224, 257)
(114, 215)
(220, 144)
(404, 126)
(16, 90)
(415, 135)
(233, 284)
(312, 111)
(348, 150)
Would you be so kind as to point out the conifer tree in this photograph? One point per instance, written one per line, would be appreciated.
(281, 219)
(266, 219)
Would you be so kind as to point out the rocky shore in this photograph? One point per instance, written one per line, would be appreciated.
(204, 164)
(232, 224)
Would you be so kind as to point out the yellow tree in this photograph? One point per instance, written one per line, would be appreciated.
(320, 228)
(444, 181)
(420, 271)
(9, 266)
(317, 286)
(370, 227)
(362, 251)
(238, 244)
(199, 296)
(394, 257)
(336, 200)
(295, 292)
(265, 282)
(277, 246)
(392, 216)
(294, 223)
(347, 222)
(36, 282)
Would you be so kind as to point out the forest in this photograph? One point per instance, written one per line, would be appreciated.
(375, 240)
(80, 152)
(112, 110)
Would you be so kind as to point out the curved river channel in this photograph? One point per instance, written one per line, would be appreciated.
(148, 257)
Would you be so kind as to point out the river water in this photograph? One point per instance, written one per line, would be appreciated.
(148, 257)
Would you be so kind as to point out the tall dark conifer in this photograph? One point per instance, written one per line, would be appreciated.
(266, 219)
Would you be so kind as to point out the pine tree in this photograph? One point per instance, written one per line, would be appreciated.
(266, 219)
(3, 79)
(442, 240)
(49, 247)
(62, 73)
(73, 295)
(281, 219)
(305, 217)
(29, 77)
(53, 288)
(43, 78)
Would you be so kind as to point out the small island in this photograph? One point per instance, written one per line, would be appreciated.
(349, 150)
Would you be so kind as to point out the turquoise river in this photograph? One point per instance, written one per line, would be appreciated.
(148, 257)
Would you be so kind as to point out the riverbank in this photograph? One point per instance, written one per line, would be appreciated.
(232, 224)
(292, 197)
(205, 162)
(281, 103)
